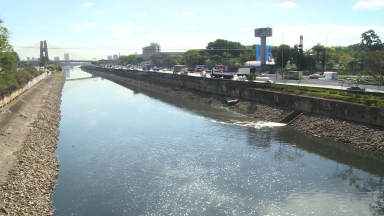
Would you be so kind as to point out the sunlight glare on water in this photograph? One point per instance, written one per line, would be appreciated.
(131, 151)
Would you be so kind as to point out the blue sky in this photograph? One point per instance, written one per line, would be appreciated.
(127, 26)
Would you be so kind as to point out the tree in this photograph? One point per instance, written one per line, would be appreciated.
(8, 59)
(297, 53)
(191, 58)
(344, 59)
(281, 57)
(129, 59)
(307, 61)
(353, 63)
(371, 41)
(374, 64)
(320, 54)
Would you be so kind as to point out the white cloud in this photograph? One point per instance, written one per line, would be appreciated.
(82, 27)
(371, 4)
(231, 22)
(192, 27)
(88, 4)
(100, 10)
(187, 14)
(130, 23)
(243, 30)
(141, 15)
(122, 34)
(158, 31)
(285, 4)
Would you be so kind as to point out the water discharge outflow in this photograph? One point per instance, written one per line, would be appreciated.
(256, 124)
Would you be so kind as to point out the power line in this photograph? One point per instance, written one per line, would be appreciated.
(127, 48)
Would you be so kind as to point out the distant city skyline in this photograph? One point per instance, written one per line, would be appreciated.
(95, 28)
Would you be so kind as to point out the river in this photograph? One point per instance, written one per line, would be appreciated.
(130, 151)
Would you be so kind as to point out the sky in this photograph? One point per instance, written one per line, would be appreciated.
(95, 28)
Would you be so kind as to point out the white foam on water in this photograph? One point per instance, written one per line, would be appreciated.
(257, 125)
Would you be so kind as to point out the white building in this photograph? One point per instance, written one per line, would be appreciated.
(57, 58)
(115, 56)
(28, 59)
(110, 57)
(66, 56)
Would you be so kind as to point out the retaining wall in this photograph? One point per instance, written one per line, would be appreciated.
(255, 92)
(9, 97)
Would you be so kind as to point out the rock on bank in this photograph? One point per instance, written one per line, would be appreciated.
(29, 185)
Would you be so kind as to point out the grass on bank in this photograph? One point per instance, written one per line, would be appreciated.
(366, 98)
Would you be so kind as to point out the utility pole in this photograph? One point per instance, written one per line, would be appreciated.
(325, 61)
(282, 54)
(249, 54)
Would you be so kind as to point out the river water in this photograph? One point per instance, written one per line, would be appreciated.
(130, 151)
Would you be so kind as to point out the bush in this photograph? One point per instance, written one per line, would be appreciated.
(298, 92)
(22, 77)
(332, 92)
(251, 76)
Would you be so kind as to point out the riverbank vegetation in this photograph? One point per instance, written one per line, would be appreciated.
(13, 73)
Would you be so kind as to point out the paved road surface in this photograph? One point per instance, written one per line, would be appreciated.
(320, 83)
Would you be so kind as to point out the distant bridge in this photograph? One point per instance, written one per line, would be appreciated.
(60, 61)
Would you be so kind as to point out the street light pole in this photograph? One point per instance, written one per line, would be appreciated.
(282, 54)
(249, 55)
(325, 61)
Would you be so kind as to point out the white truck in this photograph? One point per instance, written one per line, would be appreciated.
(245, 71)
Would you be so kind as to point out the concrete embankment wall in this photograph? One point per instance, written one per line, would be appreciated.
(257, 92)
(9, 97)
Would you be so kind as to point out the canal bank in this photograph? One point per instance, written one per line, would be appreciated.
(29, 141)
(348, 132)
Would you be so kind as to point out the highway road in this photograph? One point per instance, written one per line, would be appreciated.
(319, 83)
(316, 83)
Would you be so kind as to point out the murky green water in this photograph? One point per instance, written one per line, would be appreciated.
(128, 151)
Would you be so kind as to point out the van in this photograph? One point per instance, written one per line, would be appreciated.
(245, 71)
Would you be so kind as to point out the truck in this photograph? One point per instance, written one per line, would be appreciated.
(177, 68)
(146, 67)
(200, 68)
(220, 67)
(245, 71)
(295, 75)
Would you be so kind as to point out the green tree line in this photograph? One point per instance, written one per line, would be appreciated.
(365, 55)
(13, 72)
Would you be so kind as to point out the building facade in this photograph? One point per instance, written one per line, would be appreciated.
(115, 56)
(148, 51)
(66, 56)
(56, 58)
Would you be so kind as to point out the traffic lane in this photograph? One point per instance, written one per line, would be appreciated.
(324, 84)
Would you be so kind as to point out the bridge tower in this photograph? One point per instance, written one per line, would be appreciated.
(43, 49)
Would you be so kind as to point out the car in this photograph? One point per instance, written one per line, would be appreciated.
(355, 88)
(270, 81)
(241, 78)
(314, 76)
